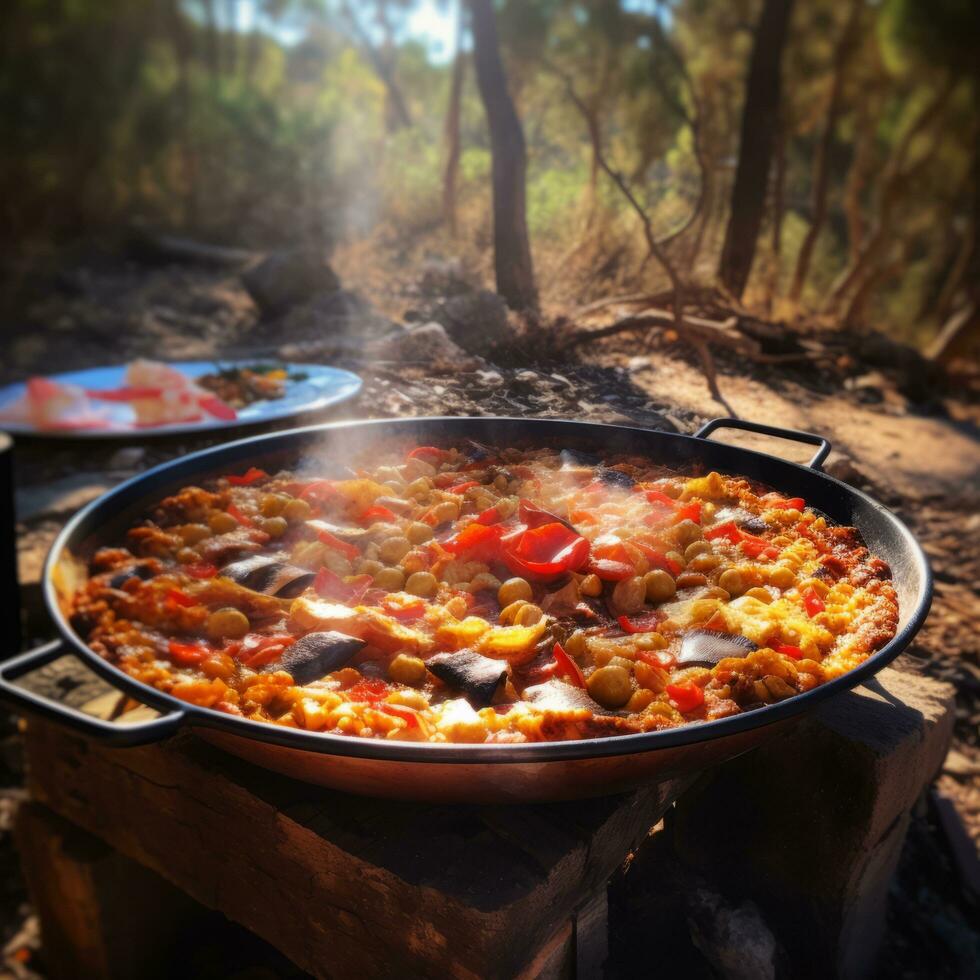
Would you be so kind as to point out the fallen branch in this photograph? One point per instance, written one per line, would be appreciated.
(707, 331)
(657, 252)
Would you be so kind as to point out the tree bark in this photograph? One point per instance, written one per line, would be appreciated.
(892, 183)
(452, 129)
(181, 40)
(399, 114)
(212, 52)
(821, 162)
(512, 252)
(778, 213)
(759, 120)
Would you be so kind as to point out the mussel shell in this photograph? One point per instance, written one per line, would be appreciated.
(473, 675)
(270, 576)
(705, 648)
(142, 572)
(556, 695)
(317, 654)
(576, 457)
(616, 478)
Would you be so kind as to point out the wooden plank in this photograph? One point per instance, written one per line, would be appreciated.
(102, 915)
(343, 884)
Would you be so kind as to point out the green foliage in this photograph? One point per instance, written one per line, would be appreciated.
(283, 131)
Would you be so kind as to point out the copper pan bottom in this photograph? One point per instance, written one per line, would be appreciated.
(498, 782)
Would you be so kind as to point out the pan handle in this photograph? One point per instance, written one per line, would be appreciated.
(794, 435)
(138, 733)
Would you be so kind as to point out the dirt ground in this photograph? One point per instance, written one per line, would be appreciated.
(919, 457)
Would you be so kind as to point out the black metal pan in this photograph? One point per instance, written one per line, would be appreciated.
(458, 772)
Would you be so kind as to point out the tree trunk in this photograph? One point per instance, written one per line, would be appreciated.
(512, 253)
(452, 129)
(857, 179)
(778, 212)
(231, 38)
(821, 162)
(892, 184)
(759, 120)
(181, 40)
(399, 114)
(212, 52)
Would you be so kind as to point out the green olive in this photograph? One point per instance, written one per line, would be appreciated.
(782, 577)
(417, 532)
(228, 623)
(687, 532)
(696, 548)
(528, 615)
(407, 670)
(393, 550)
(575, 645)
(222, 523)
(660, 585)
(732, 581)
(273, 504)
(422, 584)
(629, 595)
(192, 533)
(275, 527)
(610, 686)
(296, 510)
(390, 579)
(514, 589)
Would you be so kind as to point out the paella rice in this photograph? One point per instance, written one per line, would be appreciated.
(475, 594)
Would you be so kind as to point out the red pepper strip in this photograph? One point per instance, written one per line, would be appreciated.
(641, 624)
(774, 501)
(218, 408)
(790, 651)
(659, 497)
(812, 602)
(686, 697)
(401, 711)
(727, 530)
(657, 658)
(239, 516)
(186, 654)
(690, 512)
(609, 570)
(250, 476)
(549, 550)
(377, 512)
(328, 585)
(566, 667)
(658, 559)
(124, 394)
(332, 541)
(534, 516)
(419, 452)
(463, 487)
(754, 546)
(477, 542)
(201, 569)
(368, 689)
(318, 491)
(181, 598)
(257, 650)
(403, 607)
(490, 516)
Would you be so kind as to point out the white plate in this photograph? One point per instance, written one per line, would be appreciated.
(321, 387)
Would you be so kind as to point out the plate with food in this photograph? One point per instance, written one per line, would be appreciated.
(157, 398)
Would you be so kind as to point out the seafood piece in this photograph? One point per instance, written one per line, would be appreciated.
(478, 677)
(315, 655)
(705, 648)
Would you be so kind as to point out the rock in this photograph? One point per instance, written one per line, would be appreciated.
(444, 277)
(58, 497)
(427, 345)
(338, 314)
(814, 820)
(287, 278)
(733, 938)
(477, 321)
